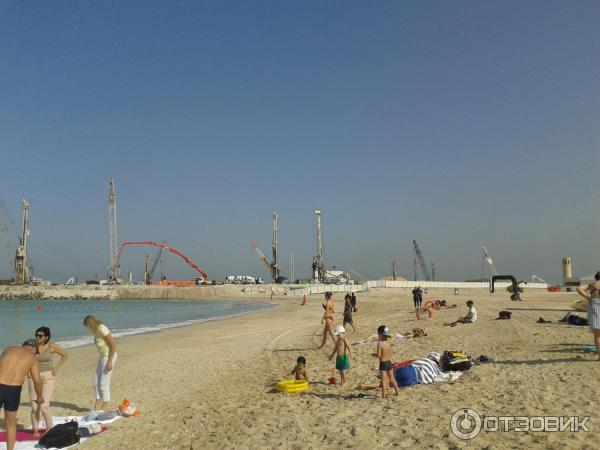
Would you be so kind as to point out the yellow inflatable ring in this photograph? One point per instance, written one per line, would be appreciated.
(290, 386)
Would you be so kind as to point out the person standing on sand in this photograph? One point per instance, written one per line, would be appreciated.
(593, 299)
(344, 353)
(384, 354)
(107, 358)
(15, 364)
(417, 296)
(348, 308)
(48, 371)
(328, 319)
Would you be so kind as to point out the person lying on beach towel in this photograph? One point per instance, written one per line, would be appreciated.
(574, 319)
(374, 338)
(420, 371)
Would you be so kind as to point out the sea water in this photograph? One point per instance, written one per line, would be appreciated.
(20, 318)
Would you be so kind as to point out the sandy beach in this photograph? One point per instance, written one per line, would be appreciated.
(211, 385)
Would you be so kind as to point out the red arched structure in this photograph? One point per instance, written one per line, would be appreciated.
(187, 260)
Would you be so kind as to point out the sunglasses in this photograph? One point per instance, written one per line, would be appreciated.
(40, 335)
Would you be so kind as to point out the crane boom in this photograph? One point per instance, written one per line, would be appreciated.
(422, 262)
(265, 260)
(187, 260)
(155, 264)
(488, 259)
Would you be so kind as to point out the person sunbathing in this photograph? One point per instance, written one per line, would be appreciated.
(415, 333)
(420, 371)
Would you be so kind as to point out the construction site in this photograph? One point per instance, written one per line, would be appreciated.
(154, 282)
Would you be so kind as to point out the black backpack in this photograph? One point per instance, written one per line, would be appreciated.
(455, 361)
(61, 435)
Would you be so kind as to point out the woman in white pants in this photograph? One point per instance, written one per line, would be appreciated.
(107, 358)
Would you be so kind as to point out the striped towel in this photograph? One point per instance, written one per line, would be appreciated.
(427, 370)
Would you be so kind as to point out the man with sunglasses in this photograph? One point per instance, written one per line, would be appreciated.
(15, 364)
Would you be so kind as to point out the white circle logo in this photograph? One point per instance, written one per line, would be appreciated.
(465, 423)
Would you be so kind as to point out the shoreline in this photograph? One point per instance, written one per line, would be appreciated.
(210, 385)
(84, 340)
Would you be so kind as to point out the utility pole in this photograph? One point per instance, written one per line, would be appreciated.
(394, 269)
(292, 274)
(21, 260)
(275, 263)
(113, 269)
(433, 270)
(317, 266)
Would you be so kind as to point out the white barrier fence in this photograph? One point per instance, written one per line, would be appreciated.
(322, 288)
(448, 284)
(382, 284)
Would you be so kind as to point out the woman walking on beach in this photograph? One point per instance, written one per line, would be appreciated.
(107, 358)
(48, 371)
(328, 319)
(348, 308)
(593, 299)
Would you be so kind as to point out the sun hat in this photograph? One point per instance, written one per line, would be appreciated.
(339, 329)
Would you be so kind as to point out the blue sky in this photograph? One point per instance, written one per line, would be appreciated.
(455, 124)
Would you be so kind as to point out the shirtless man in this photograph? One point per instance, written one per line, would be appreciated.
(15, 364)
(328, 319)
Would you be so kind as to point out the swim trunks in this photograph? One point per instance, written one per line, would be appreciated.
(342, 362)
(385, 365)
(10, 397)
(348, 317)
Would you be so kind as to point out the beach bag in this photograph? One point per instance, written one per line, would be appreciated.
(128, 409)
(61, 435)
(504, 315)
(455, 361)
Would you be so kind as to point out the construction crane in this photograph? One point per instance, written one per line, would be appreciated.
(113, 266)
(264, 259)
(187, 260)
(275, 250)
(422, 262)
(271, 266)
(318, 265)
(7, 239)
(487, 259)
(155, 264)
(22, 270)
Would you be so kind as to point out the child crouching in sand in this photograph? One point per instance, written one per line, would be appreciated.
(300, 370)
(384, 353)
(342, 362)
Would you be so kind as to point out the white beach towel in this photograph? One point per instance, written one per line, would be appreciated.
(447, 376)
